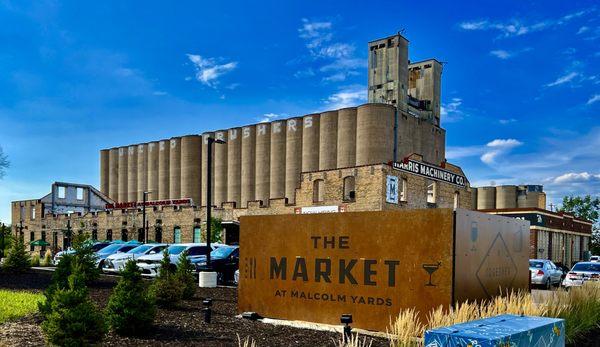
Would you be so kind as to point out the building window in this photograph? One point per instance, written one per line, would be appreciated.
(32, 212)
(43, 239)
(197, 234)
(456, 198)
(349, 191)
(79, 193)
(177, 235)
(61, 192)
(94, 234)
(109, 235)
(403, 191)
(318, 186)
(55, 240)
(31, 239)
(124, 235)
(373, 59)
(141, 236)
(158, 234)
(431, 192)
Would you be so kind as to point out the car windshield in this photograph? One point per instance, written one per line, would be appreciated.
(536, 264)
(587, 267)
(222, 252)
(139, 249)
(99, 246)
(176, 249)
(110, 249)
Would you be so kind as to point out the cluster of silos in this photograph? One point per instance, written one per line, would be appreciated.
(508, 196)
(257, 162)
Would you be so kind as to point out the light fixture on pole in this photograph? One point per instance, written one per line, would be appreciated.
(144, 224)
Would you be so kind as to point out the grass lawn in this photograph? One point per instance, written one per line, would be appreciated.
(15, 304)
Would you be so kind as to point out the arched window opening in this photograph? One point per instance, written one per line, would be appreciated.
(349, 188)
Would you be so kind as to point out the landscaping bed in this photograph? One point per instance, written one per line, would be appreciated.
(173, 327)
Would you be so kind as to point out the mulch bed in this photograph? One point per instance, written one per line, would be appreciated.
(182, 326)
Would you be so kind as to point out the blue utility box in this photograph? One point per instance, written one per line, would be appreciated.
(500, 331)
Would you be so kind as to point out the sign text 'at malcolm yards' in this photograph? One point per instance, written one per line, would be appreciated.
(431, 172)
(341, 271)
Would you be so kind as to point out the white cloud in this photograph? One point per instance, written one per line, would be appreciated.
(269, 117)
(208, 70)
(582, 30)
(563, 79)
(450, 112)
(498, 147)
(502, 54)
(593, 99)
(573, 177)
(349, 96)
(315, 33)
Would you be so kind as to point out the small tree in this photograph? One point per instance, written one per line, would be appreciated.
(216, 231)
(47, 261)
(131, 309)
(166, 288)
(74, 320)
(60, 280)
(17, 260)
(185, 275)
(85, 257)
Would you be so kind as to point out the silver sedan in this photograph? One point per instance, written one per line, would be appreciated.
(544, 273)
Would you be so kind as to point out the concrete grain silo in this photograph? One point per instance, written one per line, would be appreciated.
(104, 170)
(328, 140)
(204, 171)
(220, 167)
(346, 137)
(531, 196)
(123, 168)
(486, 198)
(234, 166)
(310, 142)
(506, 196)
(293, 157)
(248, 173)
(263, 162)
(142, 171)
(277, 187)
(132, 173)
(473, 198)
(191, 168)
(113, 174)
(153, 149)
(163, 169)
(175, 168)
(374, 134)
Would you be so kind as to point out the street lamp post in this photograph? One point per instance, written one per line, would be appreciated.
(144, 224)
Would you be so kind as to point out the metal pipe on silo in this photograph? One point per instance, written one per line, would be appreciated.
(142, 170)
(310, 142)
(328, 140)
(374, 134)
(191, 168)
(277, 186)
(234, 166)
(204, 172)
(346, 143)
(293, 157)
(248, 160)
(486, 198)
(123, 167)
(163, 169)
(132, 173)
(506, 196)
(104, 171)
(263, 162)
(175, 168)
(113, 174)
(220, 167)
(153, 149)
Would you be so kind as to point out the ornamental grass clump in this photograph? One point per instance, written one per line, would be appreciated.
(405, 330)
(185, 275)
(73, 320)
(353, 341)
(166, 289)
(131, 309)
(47, 260)
(35, 260)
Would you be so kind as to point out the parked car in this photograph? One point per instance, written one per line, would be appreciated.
(224, 261)
(595, 258)
(115, 263)
(95, 247)
(102, 254)
(544, 273)
(149, 264)
(581, 273)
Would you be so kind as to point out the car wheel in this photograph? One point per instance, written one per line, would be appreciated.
(548, 284)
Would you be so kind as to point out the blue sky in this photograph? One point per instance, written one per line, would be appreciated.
(521, 83)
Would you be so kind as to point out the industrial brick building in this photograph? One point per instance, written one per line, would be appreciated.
(386, 154)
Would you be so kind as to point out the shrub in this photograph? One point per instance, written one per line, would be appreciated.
(60, 280)
(166, 289)
(185, 275)
(74, 320)
(85, 257)
(131, 309)
(17, 260)
(35, 259)
(47, 261)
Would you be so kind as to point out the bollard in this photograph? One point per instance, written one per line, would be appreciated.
(207, 309)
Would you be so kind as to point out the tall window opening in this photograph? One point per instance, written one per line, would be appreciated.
(318, 187)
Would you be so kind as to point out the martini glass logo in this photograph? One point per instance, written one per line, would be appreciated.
(474, 235)
(431, 268)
